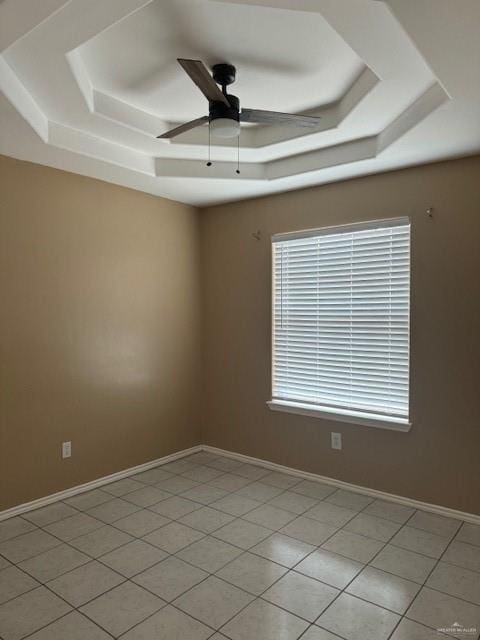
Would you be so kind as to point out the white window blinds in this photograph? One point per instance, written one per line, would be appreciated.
(341, 312)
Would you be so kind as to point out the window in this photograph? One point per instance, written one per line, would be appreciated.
(341, 322)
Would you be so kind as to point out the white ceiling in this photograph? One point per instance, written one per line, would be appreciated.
(88, 84)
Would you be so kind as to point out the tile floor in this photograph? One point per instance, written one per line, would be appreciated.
(209, 547)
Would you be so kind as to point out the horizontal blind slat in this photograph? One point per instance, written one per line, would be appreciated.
(341, 312)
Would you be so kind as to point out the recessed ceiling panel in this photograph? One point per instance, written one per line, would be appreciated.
(286, 60)
(89, 84)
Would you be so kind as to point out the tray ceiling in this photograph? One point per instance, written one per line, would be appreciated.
(88, 84)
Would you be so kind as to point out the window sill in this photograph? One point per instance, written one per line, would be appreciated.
(354, 417)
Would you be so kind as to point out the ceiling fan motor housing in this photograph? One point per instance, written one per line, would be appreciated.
(224, 74)
(221, 110)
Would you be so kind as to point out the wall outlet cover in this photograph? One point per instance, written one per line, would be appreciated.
(336, 440)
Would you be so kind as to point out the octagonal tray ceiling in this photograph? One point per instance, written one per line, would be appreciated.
(88, 84)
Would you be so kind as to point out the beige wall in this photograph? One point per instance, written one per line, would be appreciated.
(438, 460)
(99, 329)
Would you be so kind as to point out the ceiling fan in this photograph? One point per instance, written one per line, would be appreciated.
(224, 109)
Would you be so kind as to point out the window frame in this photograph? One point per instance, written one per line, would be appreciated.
(370, 419)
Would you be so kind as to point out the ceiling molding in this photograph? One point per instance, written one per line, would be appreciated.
(46, 73)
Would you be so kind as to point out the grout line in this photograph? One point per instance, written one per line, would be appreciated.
(425, 582)
(242, 551)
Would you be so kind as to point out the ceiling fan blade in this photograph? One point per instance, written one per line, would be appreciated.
(278, 118)
(198, 72)
(184, 127)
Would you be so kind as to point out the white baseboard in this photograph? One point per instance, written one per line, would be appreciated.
(374, 493)
(94, 484)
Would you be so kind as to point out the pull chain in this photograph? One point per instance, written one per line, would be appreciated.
(209, 163)
(238, 153)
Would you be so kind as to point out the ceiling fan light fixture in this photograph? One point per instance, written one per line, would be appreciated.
(225, 128)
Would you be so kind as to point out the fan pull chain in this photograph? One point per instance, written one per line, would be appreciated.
(209, 163)
(238, 154)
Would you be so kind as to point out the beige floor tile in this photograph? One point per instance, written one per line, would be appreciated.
(283, 549)
(206, 519)
(259, 491)
(88, 499)
(235, 505)
(440, 611)
(133, 558)
(308, 530)
(209, 554)
(85, 583)
(14, 582)
(355, 619)
(266, 621)
(349, 500)
(439, 525)
(177, 484)
(113, 510)
(251, 573)
(468, 533)
(229, 482)
(335, 570)
(51, 513)
(4, 563)
(202, 474)
(213, 601)
(384, 589)
(390, 511)
(242, 533)
(14, 527)
(353, 546)
(120, 609)
(408, 630)
(456, 581)
(121, 487)
(301, 595)
(169, 624)
(281, 480)
(373, 527)
(204, 493)
(315, 633)
(28, 545)
(225, 464)
(330, 514)
(73, 626)
(269, 516)
(101, 541)
(420, 541)
(403, 563)
(30, 612)
(180, 466)
(146, 496)
(152, 476)
(175, 507)
(74, 526)
(251, 471)
(170, 578)
(463, 554)
(173, 537)
(294, 502)
(140, 523)
(54, 562)
(312, 489)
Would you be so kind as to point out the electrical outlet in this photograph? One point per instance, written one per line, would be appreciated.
(66, 449)
(336, 440)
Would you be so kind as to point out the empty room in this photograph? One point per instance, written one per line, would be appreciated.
(239, 319)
